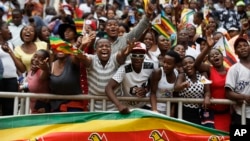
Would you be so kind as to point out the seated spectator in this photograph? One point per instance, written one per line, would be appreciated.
(133, 78)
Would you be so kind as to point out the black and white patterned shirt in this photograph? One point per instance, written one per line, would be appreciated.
(195, 90)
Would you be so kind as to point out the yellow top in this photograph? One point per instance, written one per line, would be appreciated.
(26, 58)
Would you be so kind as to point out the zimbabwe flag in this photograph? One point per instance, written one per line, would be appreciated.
(139, 125)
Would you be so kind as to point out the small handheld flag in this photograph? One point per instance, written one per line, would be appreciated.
(59, 45)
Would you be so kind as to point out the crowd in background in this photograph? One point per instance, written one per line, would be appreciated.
(120, 54)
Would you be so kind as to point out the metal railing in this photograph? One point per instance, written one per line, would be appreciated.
(24, 99)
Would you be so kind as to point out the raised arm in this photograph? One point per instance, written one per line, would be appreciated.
(199, 60)
(122, 55)
(143, 24)
(43, 65)
(154, 79)
(85, 42)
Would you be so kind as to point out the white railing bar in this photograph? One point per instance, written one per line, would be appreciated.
(243, 113)
(180, 109)
(15, 105)
(92, 105)
(168, 105)
(88, 97)
(27, 105)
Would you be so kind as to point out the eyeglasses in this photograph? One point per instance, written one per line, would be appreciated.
(139, 56)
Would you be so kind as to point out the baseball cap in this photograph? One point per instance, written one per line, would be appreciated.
(240, 3)
(104, 19)
(139, 47)
(233, 28)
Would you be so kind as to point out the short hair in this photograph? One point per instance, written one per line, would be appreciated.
(45, 52)
(175, 55)
(97, 41)
(189, 57)
(199, 15)
(208, 56)
(125, 26)
(17, 11)
(111, 19)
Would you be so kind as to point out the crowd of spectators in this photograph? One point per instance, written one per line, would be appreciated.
(122, 55)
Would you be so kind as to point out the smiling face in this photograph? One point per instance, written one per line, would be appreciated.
(168, 64)
(148, 40)
(215, 57)
(163, 43)
(180, 50)
(103, 49)
(28, 34)
(137, 58)
(112, 28)
(242, 50)
(188, 65)
(38, 57)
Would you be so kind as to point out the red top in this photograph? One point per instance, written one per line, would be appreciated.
(217, 88)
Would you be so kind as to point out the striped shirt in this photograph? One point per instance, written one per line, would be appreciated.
(98, 77)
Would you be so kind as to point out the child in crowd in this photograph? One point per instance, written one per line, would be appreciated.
(37, 81)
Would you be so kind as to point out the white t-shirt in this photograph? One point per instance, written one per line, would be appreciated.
(238, 81)
(130, 80)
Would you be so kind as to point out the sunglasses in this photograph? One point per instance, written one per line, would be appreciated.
(139, 56)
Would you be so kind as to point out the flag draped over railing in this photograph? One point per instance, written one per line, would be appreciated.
(164, 26)
(59, 45)
(223, 45)
(139, 125)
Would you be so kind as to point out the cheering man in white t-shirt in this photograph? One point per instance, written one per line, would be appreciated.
(133, 77)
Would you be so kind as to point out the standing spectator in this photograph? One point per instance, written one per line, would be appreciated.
(240, 5)
(15, 27)
(183, 39)
(228, 16)
(163, 80)
(8, 82)
(133, 78)
(217, 74)
(189, 85)
(164, 45)
(112, 28)
(25, 51)
(65, 80)
(38, 81)
(50, 13)
(237, 81)
(86, 6)
(103, 64)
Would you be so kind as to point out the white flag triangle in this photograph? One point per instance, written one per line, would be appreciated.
(157, 20)
(221, 46)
